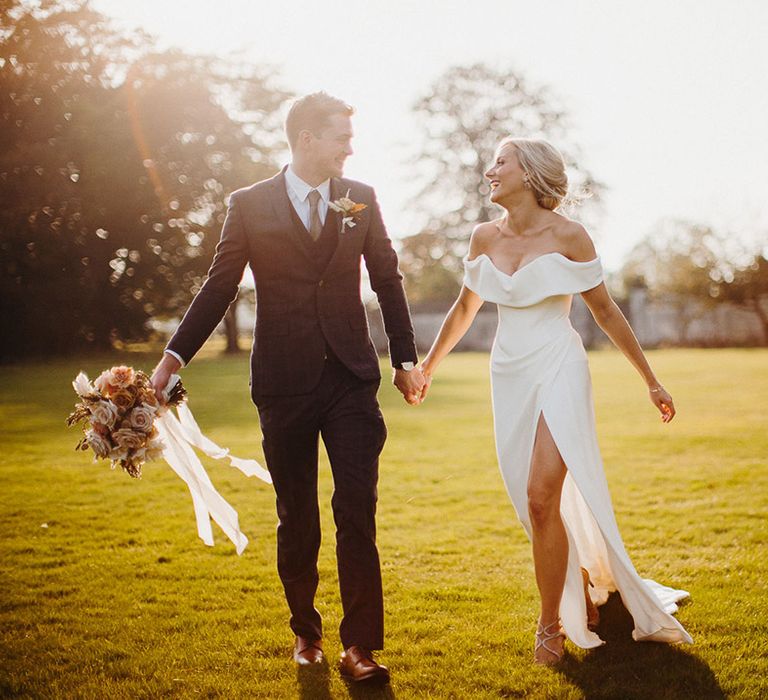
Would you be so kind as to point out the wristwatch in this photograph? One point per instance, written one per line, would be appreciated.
(407, 366)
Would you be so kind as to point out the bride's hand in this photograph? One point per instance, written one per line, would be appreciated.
(427, 383)
(663, 401)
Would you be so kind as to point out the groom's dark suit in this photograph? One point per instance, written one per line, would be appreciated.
(314, 371)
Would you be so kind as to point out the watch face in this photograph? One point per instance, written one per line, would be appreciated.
(407, 366)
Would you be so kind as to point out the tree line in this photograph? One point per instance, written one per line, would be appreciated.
(464, 114)
(116, 159)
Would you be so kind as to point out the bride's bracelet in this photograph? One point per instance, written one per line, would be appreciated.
(656, 390)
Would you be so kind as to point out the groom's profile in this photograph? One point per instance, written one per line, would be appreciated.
(314, 370)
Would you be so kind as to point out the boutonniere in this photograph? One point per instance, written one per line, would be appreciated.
(348, 209)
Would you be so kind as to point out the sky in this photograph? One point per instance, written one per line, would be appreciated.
(668, 98)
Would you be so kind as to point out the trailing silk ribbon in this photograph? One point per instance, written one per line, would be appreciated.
(179, 436)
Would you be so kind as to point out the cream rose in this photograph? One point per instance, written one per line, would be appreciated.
(100, 445)
(140, 418)
(129, 439)
(104, 413)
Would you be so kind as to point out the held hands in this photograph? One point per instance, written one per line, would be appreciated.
(414, 384)
(410, 383)
(663, 401)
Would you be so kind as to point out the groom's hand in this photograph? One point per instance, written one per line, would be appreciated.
(409, 383)
(159, 379)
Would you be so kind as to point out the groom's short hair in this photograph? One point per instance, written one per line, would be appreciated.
(312, 112)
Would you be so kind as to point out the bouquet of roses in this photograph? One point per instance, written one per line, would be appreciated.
(118, 414)
(123, 422)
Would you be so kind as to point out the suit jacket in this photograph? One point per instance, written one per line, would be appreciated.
(303, 308)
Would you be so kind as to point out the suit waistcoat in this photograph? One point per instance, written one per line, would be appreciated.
(324, 247)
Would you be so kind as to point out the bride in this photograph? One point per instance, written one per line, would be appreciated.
(530, 262)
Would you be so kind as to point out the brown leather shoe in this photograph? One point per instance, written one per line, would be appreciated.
(308, 651)
(358, 664)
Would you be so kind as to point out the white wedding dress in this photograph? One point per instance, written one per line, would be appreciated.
(539, 366)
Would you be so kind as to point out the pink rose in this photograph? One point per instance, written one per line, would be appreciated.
(112, 380)
(103, 382)
(122, 376)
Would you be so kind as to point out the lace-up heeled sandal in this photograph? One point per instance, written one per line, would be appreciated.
(544, 634)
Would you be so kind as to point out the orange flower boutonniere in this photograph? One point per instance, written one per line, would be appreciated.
(348, 209)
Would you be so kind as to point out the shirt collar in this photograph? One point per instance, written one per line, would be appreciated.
(301, 189)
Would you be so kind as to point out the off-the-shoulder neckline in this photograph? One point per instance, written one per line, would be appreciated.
(528, 264)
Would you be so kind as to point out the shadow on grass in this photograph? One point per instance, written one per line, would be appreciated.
(314, 684)
(370, 690)
(623, 668)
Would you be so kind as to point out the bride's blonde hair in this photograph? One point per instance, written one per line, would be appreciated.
(545, 168)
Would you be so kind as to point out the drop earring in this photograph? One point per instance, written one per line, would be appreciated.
(526, 181)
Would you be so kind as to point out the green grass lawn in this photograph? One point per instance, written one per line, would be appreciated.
(106, 591)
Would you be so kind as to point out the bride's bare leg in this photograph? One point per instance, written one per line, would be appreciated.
(550, 542)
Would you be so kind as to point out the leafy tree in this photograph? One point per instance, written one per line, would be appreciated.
(202, 128)
(747, 287)
(463, 116)
(693, 268)
(430, 281)
(114, 163)
(55, 89)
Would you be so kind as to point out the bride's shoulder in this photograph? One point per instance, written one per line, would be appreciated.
(482, 234)
(574, 240)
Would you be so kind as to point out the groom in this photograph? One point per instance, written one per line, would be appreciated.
(314, 370)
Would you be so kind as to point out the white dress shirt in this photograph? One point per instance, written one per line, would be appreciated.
(298, 193)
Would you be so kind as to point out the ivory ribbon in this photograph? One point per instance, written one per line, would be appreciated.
(179, 436)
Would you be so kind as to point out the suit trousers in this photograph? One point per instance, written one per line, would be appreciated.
(344, 411)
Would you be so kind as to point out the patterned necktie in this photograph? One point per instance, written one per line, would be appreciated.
(315, 225)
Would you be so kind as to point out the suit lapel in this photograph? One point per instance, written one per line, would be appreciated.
(338, 189)
(335, 194)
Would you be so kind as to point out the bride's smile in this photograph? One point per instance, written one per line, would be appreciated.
(506, 177)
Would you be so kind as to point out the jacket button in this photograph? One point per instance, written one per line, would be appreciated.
(320, 283)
